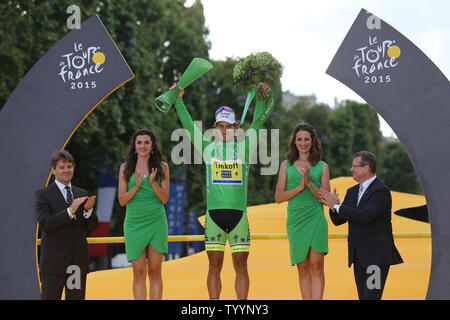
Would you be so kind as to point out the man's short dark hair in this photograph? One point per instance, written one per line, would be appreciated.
(367, 159)
(61, 155)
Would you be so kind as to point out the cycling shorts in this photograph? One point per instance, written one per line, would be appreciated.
(221, 224)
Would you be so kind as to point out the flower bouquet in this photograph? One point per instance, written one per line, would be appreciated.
(250, 73)
(257, 68)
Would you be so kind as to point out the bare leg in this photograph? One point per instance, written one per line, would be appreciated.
(154, 273)
(242, 282)
(139, 277)
(215, 267)
(304, 278)
(316, 268)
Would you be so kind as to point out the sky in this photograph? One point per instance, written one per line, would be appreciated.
(305, 35)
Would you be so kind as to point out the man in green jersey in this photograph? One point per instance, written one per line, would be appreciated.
(227, 167)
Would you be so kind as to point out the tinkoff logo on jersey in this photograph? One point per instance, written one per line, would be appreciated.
(374, 61)
(226, 172)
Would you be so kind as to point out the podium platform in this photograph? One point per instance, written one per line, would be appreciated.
(271, 275)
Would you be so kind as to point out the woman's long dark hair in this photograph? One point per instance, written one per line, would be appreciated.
(315, 154)
(154, 161)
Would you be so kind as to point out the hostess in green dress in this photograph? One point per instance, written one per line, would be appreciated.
(145, 221)
(306, 223)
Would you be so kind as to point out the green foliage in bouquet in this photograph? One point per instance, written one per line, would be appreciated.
(255, 68)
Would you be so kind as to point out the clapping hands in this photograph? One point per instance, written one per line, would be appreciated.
(330, 199)
(89, 203)
(153, 175)
(304, 171)
(139, 176)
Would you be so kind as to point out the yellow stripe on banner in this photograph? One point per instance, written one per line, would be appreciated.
(269, 236)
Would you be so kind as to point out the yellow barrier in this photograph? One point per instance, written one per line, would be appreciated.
(270, 236)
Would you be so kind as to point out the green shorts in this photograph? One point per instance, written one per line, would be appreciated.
(223, 223)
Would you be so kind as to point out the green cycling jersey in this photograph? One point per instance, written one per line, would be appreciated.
(227, 163)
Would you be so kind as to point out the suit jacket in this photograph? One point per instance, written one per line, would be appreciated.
(370, 239)
(63, 240)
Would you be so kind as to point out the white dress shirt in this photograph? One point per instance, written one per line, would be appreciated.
(364, 185)
(62, 188)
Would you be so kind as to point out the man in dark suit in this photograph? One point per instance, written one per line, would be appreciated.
(367, 209)
(65, 215)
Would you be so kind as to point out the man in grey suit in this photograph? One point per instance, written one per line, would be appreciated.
(367, 209)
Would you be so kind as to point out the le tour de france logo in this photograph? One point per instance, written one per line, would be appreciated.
(78, 66)
(374, 60)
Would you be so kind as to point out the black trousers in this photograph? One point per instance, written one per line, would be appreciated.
(370, 280)
(52, 287)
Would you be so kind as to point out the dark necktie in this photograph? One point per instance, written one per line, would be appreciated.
(69, 198)
(360, 193)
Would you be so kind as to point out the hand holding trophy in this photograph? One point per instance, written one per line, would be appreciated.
(195, 70)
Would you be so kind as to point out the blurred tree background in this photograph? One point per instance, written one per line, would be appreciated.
(158, 39)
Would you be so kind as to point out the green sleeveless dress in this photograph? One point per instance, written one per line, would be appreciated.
(145, 221)
(306, 223)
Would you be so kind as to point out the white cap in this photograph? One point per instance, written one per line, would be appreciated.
(226, 115)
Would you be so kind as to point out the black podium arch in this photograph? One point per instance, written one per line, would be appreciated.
(40, 116)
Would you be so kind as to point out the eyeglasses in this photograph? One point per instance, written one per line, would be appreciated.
(224, 108)
(222, 126)
(359, 165)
